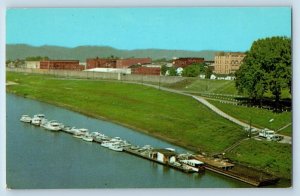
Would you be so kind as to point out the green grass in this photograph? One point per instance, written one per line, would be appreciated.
(225, 87)
(259, 117)
(273, 157)
(175, 117)
(205, 85)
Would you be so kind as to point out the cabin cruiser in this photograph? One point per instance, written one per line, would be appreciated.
(79, 133)
(107, 144)
(53, 125)
(116, 147)
(37, 119)
(87, 137)
(25, 118)
(116, 139)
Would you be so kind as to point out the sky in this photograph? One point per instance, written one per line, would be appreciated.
(228, 29)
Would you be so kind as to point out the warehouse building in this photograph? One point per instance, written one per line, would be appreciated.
(61, 64)
(116, 63)
(146, 71)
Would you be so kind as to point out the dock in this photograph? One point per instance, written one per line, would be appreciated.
(136, 153)
(237, 171)
(186, 163)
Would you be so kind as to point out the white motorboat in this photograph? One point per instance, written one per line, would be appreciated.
(25, 118)
(36, 120)
(95, 134)
(87, 138)
(116, 147)
(116, 139)
(67, 129)
(83, 130)
(79, 133)
(43, 122)
(107, 144)
(53, 125)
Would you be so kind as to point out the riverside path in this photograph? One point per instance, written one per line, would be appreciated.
(286, 139)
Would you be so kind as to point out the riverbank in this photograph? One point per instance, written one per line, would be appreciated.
(175, 118)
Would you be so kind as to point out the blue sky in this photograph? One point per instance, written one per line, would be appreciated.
(228, 29)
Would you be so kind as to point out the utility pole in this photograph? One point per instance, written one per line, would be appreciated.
(250, 123)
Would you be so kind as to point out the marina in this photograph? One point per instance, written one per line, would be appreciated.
(184, 162)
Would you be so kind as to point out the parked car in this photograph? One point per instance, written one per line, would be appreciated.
(277, 138)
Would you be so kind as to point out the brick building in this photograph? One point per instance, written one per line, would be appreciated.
(116, 63)
(100, 62)
(146, 70)
(228, 62)
(125, 63)
(61, 64)
(184, 62)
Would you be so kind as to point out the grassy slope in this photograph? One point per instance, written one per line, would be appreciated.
(226, 87)
(170, 116)
(205, 85)
(164, 114)
(259, 117)
(270, 156)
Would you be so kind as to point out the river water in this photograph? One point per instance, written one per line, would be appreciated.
(37, 158)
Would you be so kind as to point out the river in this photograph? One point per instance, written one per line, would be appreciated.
(37, 158)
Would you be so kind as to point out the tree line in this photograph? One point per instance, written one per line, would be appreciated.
(267, 67)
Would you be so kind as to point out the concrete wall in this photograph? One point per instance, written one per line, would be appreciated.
(101, 75)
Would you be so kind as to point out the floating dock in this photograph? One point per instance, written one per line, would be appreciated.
(169, 158)
(237, 171)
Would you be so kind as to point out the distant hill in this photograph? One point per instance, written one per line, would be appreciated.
(21, 51)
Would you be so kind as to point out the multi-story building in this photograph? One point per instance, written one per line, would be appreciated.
(228, 62)
(184, 62)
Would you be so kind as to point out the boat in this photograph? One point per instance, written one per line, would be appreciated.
(43, 122)
(83, 130)
(41, 116)
(193, 165)
(67, 129)
(25, 118)
(87, 137)
(79, 133)
(36, 121)
(116, 147)
(107, 144)
(53, 126)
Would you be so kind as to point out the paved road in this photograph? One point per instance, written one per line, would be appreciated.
(286, 139)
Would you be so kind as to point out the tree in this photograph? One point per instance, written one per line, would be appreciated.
(193, 70)
(163, 69)
(267, 66)
(36, 58)
(172, 71)
(208, 72)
